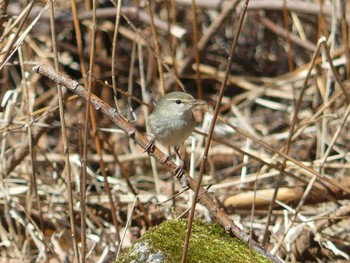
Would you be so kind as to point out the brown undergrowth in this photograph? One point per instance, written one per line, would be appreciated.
(73, 183)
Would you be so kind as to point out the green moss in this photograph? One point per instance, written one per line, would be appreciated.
(208, 243)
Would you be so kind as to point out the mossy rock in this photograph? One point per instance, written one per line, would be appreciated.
(208, 243)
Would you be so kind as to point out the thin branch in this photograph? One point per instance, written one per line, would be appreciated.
(143, 142)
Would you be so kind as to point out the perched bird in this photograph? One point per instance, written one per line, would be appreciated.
(172, 121)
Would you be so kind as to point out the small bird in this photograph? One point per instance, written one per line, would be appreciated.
(172, 121)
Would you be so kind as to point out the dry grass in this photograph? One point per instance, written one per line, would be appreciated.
(283, 124)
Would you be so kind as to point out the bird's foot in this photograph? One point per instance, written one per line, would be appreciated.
(179, 174)
(150, 146)
(180, 170)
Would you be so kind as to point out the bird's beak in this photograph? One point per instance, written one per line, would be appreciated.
(197, 103)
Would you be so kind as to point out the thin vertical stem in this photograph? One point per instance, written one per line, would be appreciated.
(210, 134)
(114, 53)
(86, 135)
(289, 43)
(64, 138)
(196, 49)
(156, 47)
(291, 133)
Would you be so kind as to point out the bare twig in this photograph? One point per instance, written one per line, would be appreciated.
(142, 141)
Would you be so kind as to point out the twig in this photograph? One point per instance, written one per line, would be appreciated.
(156, 47)
(196, 49)
(143, 142)
(205, 39)
(198, 189)
(285, 33)
(68, 175)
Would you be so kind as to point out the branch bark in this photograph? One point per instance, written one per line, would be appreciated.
(143, 142)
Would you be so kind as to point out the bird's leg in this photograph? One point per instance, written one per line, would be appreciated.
(180, 170)
(149, 146)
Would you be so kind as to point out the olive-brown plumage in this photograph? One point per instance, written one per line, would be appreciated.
(172, 121)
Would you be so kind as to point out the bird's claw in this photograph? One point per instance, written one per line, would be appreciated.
(180, 170)
(179, 174)
(149, 147)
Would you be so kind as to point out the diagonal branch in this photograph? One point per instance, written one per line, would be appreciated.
(143, 142)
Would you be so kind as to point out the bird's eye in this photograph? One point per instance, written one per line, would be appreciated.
(178, 101)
